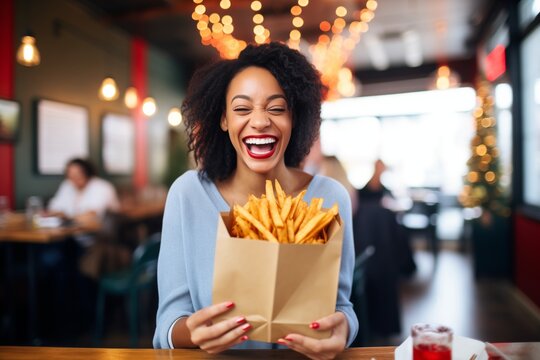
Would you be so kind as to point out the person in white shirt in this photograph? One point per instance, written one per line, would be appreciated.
(83, 195)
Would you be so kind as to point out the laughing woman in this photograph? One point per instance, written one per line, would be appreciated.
(248, 120)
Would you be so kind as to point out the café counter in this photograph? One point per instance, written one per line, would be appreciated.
(503, 351)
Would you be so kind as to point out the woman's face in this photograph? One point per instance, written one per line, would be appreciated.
(258, 120)
(77, 176)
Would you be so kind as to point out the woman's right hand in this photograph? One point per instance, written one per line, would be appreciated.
(220, 336)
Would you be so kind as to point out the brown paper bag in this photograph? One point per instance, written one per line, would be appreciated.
(279, 288)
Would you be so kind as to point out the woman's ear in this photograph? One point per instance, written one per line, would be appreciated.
(223, 123)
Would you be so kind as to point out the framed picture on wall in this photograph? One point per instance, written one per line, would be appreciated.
(118, 144)
(62, 134)
(10, 120)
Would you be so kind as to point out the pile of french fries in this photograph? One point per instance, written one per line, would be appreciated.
(279, 218)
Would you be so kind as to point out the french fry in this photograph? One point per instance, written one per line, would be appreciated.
(246, 215)
(295, 203)
(290, 231)
(264, 214)
(286, 208)
(280, 194)
(272, 204)
(280, 218)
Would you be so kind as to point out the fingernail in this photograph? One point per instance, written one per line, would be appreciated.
(240, 320)
(314, 325)
(229, 305)
(282, 342)
(244, 338)
(289, 339)
(246, 327)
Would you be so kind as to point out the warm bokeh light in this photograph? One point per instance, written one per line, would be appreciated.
(371, 5)
(225, 4)
(295, 34)
(296, 10)
(149, 106)
(200, 9)
(175, 117)
(325, 26)
(490, 176)
(303, 3)
(131, 98)
(108, 90)
(481, 150)
(341, 11)
(28, 53)
(214, 18)
(258, 18)
(256, 5)
(298, 22)
(472, 176)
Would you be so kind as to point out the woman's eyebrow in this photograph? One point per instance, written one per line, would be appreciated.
(240, 97)
(271, 97)
(276, 96)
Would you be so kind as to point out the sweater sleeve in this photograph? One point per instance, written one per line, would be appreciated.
(337, 193)
(174, 297)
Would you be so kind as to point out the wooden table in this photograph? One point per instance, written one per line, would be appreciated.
(514, 351)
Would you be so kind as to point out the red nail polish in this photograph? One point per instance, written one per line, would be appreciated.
(246, 327)
(244, 338)
(240, 320)
(229, 305)
(314, 325)
(289, 339)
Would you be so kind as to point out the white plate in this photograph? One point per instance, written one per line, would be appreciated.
(462, 349)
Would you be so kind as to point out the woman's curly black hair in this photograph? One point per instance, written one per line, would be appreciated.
(205, 104)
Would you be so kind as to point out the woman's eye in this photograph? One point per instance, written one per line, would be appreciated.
(276, 110)
(241, 110)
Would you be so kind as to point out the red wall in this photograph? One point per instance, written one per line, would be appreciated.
(139, 76)
(527, 257)
(6, 92)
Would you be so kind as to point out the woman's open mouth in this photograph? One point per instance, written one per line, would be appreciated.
(260, 147)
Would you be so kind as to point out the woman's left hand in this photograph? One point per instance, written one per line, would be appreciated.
(321, 348)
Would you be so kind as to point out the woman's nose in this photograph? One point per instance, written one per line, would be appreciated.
(259, 120)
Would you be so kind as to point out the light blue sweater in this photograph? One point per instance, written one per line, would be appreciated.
(188, 239)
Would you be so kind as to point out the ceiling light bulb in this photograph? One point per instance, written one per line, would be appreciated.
(175, 117)
(28, 53)
(131, 98)
(149, 107)
(108, 90)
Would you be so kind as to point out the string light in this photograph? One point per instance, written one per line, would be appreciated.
(339, 37)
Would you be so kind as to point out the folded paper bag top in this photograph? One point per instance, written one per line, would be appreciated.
(279, 288)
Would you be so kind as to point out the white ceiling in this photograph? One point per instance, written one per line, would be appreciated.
(442, 27)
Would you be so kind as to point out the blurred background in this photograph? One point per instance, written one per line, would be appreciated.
(431, 121)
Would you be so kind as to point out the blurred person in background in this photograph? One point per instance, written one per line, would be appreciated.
(318, 163)
(82, 196)
(374, 190)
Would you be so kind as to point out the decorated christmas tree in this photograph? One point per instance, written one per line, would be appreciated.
(482, 182)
